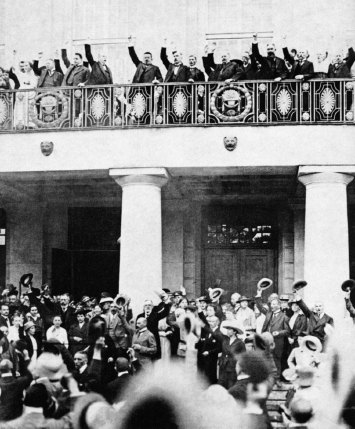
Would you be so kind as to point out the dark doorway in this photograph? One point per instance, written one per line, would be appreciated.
(2, 249)
(91, 263)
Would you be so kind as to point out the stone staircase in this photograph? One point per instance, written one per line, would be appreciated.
(277, 397)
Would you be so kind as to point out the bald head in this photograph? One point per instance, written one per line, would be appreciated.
(141, 323)
(122, 364)
(213, 321)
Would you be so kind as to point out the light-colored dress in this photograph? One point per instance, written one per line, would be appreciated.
(164, 328)
(22, 117)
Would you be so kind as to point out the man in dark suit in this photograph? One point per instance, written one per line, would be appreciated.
(340, 67)
(38, 70)
(100, 73)
(317, 319)
(196, 75)
(49, 77)
(76, 73)
(66, 312)
(12, 390)
(301, 68)
(177, 71)
(4, 317)
(212, 346)
(248, 69)
(146, 71)
(276, 322)
(277, 67)
(227, 71)
(115, 389)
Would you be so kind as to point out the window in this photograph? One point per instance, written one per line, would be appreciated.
(226, 235)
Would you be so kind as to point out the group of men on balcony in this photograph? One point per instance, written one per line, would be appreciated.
(252, 66)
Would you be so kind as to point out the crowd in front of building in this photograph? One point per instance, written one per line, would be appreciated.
(63, 353)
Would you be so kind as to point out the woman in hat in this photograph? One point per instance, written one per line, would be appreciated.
(245, 316)
(56, 331)
(29, 338)
(232, 348)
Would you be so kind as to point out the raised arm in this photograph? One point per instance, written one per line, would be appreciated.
(65, 58)
(287, 56)
(88, 54)
(163, 55)
(351, 59)
(36, 69)
(306, 311)
(255, 49)
(132, 52)
(13, 77)
(259, 304)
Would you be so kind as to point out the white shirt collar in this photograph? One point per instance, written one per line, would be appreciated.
(123, 372)
(83, 368)
(32, 410)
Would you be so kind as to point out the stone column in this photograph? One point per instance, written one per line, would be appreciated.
(141, 232)
(326, 260)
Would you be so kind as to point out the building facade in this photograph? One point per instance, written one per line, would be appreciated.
(187, 210)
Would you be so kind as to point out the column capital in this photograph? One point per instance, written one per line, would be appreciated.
(325, 178)
(150, 176)
(310, 169)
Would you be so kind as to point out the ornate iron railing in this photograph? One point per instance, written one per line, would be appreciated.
(126, 106)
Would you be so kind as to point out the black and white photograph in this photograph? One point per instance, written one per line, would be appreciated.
(177, 214)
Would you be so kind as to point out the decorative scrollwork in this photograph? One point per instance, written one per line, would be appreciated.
(180, 104)
(231, 98)
(327, 101)
(283, 101)
(139, 105)
(48, 102)
(98, 107)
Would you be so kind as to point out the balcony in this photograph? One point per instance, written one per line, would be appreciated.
(171, 105)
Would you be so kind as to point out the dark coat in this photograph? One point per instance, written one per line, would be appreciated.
(206, 64)
(350, 308)
(280, 67)
(38, 70)
(299, 326)
(68, 317)
(306, 69)
(58, 78)
(344, 69)
(197, 75)
(183, 74)
(76, 331)
(4, 322)
(222, 72)
(315, 325)
(68, 63)
(263, 72)
(97, 75)
(272, 324)
(12, 396)
(145, 73)
(114, 390)
(80, 75)
(158, 313)
(213, 346)
(249, 72)
(228, 360)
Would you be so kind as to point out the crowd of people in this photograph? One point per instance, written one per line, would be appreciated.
(252, 66)
(70, 358)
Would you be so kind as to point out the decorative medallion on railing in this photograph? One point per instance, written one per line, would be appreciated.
(49, 109)
(231, 103)
(283, 102)
(98, 107)
(138, 105)
(327, 101)
(180, 104)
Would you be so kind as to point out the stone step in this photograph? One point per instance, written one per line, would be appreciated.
(274, 405)
(278, 425)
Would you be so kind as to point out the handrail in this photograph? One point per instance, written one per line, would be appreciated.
(318, 101)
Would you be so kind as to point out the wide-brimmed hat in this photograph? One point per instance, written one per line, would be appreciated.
(215, 293)
(348, 284)
(264, 283)
(264, 341)
(233, 324)
(81, 310)
(298, 285)
(49, 365)
(13, 292)
(26, 279)
(45, 287)
(85, 299)
(106, 299)
(293, 301)
(28, 325)
(243, 298)
(177, 293)
(284, 297)
(309, 342)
